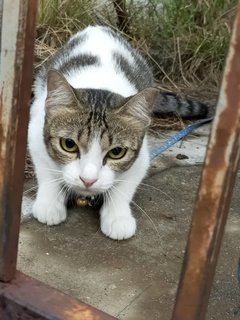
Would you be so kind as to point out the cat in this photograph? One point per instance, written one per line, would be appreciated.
(92, 107)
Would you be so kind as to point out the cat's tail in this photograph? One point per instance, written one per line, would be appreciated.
(168, 102)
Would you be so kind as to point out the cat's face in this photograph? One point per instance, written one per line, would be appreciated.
(93, 135)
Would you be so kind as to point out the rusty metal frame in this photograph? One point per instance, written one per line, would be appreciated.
(26, 298)
(22, 297)
(17, 34)
(215, 193)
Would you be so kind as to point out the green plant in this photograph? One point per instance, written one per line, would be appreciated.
(185, 40)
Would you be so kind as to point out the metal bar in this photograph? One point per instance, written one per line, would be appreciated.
(1, 10)
(17, 41)
(215, 192)
(27, 298)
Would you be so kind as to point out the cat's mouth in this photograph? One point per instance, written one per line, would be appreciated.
(79, 191)
(87, 192)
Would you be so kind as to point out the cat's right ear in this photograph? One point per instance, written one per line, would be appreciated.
(59, 91)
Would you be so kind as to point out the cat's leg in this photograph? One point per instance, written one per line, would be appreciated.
(49, 206)
(117, 221)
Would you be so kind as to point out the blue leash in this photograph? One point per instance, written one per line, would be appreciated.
(176, 137)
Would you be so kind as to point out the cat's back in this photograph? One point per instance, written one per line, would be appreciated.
(99, 58)
(102, 42)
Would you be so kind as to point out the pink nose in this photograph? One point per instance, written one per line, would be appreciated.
(88, 182)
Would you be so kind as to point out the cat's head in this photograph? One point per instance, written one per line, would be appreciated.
(94, 135)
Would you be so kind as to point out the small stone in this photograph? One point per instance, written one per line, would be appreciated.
(181, 156)
(112, 287)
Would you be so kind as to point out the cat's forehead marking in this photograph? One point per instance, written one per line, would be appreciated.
(88, 138)
(93, 128)
(97, 121)
(93, 152)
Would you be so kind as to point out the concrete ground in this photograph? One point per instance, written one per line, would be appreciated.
(137, 279)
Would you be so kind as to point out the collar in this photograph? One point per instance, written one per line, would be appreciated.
(75, 200)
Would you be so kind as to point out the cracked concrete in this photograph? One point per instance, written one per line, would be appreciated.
(136, 279)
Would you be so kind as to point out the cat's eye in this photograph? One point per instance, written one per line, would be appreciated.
(117, 153)
(68, 145)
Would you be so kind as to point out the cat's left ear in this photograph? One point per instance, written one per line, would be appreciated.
(138, 108)
(59, 91)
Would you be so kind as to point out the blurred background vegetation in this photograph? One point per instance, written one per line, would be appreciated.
(185, 41)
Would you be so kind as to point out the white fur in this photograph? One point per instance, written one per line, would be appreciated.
(105, 77)
(117, 221)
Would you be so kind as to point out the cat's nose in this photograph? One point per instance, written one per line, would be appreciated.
(88, 182)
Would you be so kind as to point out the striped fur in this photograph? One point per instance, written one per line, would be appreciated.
(168, 102)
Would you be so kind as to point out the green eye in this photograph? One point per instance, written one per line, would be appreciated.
(68, 145)
(117, 153)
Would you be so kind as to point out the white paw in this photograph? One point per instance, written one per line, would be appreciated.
(118, 227)
(51, 213)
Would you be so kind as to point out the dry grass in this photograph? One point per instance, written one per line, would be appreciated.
(186, 41)
(59, 19)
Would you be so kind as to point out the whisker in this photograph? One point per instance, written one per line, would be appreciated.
(55, 171)
(31, 189)
(45, 183)
(111, 199)
(60, 193)
(50, 169)
(29, 198)
(47, 169)
(143, 211)
(147, 185)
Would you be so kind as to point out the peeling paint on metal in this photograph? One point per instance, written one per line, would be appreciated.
(80, 312)
(8, 47)
(15, 93)
(213, 200)
(26, 296)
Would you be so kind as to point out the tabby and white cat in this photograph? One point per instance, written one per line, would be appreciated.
(92, 107)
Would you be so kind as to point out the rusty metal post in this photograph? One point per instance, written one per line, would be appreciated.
(215, 192)
(17, 41)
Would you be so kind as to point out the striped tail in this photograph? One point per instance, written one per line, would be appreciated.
(168, 102)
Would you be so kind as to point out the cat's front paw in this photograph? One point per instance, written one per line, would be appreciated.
(118, 227)
(49, 213)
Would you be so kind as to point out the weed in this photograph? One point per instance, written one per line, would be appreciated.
(186, 41)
